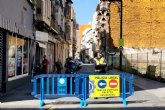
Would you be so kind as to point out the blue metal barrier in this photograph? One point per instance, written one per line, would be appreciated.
(73, 85)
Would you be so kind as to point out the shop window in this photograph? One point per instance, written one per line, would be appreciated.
(17, 56)
(11, 56)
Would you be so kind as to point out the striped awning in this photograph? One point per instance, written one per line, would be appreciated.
(12, 26)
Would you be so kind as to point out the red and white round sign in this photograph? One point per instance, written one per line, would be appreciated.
(113, 83)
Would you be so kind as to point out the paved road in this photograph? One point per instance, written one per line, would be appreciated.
(143, 99)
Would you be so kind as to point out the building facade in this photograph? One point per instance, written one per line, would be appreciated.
(142, 33)
(100, 25)
(87, 45)
(82, 29)
(73, 29)
(55, 31)
(30, 29)
(136, 36)
(16, 34)
(78, 46)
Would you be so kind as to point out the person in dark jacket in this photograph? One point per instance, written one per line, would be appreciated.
(59, 66)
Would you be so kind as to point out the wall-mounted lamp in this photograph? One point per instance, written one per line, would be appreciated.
(107, 14)
(99, 14)
(103, 19)
(69, 2)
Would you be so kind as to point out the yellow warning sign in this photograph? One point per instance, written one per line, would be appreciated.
(104, 85)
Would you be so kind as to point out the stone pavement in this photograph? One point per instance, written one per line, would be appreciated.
(154, 87)
(149, 95)
(20, 98)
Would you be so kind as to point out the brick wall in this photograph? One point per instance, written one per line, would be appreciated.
(143, 23)
(114, 23)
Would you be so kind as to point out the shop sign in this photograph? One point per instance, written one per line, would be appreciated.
(104, 85)
(15, 41)
(121, 42)
(41, 36)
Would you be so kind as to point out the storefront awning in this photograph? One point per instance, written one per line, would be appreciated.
(42, 45)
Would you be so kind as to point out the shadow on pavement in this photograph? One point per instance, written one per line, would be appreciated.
(19, 94)
(100, 102)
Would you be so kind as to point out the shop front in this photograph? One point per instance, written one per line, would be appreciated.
(45, 45)
(18, 57)
(15, 61)
(41, 46)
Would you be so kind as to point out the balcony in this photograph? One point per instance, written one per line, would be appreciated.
(55, 26)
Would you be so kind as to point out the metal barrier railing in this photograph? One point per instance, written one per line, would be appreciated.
(73, 85)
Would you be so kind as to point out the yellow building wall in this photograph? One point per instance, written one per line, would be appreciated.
(143, 23)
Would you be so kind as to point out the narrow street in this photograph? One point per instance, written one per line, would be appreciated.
(82, 54)
(144, 98)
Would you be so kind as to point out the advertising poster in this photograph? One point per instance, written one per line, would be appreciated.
(11, 67)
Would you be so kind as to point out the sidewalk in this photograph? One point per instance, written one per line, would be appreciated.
(21, 99)
(154, 87)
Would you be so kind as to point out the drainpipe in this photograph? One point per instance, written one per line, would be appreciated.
(121, 23)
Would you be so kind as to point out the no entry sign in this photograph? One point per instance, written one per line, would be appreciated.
(113, 83)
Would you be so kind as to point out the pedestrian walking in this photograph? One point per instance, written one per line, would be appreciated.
(45, 64)
(58, 66)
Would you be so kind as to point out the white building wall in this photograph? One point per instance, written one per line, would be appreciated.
(87, 41)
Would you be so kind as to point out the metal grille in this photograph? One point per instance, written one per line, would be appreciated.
(1, 41)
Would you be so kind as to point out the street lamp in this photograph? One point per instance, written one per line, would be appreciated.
(69, 2)
(99, 13)
(107, 14)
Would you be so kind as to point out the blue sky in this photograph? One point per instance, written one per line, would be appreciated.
(84, 10)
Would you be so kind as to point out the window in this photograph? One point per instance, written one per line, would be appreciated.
(11, 56)
(17, 56)
(19, 52)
